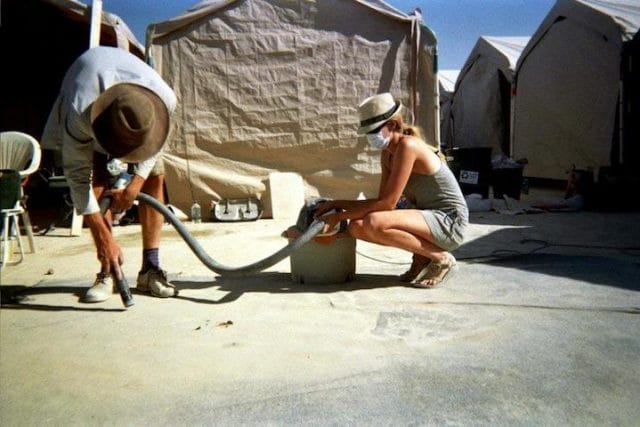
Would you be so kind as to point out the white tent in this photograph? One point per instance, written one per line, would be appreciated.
(568, 82)
(447, 83)
(447, 80)
(273, 85)
(481, 103)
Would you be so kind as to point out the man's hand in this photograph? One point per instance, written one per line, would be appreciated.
(122, 199)
(108, 251)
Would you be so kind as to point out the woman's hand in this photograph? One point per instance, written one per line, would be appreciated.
(323, 207)
(331, 221)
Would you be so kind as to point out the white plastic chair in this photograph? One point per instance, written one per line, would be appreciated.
(18, 152)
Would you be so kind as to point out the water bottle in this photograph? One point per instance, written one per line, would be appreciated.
(525, 186)
(196, 213)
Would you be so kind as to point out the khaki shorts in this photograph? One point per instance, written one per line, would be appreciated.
(158, 168)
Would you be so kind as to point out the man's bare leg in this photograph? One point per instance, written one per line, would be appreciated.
(152, 278)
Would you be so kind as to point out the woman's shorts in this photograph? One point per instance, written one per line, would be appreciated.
(447, 229)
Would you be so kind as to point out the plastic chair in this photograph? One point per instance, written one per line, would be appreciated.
(19, 153)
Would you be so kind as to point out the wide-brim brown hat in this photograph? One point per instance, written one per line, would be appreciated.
(376, 111)
(130, 122)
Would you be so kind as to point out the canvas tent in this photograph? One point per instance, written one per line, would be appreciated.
(273, 85)
(481, 103)
(40, 39)
(570, 80)
(447, 83)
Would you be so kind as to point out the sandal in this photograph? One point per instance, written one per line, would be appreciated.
(419, 262)
(435, 273)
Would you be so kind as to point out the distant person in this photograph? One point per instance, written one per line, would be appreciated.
(579, 185)
(113, 105)
(436, 222)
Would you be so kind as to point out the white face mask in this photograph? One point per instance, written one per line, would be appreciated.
(377, 141)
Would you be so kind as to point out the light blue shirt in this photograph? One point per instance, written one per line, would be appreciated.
(68, 127)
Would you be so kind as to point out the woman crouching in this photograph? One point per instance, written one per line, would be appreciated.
(436, 223)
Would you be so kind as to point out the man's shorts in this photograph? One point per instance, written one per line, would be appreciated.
(158, 168)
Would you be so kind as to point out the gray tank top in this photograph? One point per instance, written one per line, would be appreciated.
(439, 191)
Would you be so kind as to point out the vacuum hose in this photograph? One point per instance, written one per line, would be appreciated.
(121, 282)
(314, 229)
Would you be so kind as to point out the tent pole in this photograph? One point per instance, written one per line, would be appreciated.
(621, 121)
(415, 41)
(96, 21)
(436, 96)
(512, 114)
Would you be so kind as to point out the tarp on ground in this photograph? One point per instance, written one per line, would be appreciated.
(481, 102)
(273, 85)
(568, 81)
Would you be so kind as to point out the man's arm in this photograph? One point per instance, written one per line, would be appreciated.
(77, 162)
(108, 252)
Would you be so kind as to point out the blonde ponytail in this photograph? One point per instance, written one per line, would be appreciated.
(416, 132)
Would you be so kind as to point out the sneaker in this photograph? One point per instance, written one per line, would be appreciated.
(155, 282)
(101, 290)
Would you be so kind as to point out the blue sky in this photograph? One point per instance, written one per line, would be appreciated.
(457, 23)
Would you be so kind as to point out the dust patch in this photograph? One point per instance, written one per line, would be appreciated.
(420, 326)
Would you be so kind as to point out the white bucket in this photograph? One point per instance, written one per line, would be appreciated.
(325, 263)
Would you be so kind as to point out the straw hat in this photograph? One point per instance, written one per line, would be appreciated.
(376, 111)
(130, 121)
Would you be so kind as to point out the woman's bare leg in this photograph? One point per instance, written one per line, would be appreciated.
(406, 229)
(403, 229)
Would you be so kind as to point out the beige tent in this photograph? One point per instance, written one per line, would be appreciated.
(571, 79)
(273, 85)
(446, 84)
(481, 102)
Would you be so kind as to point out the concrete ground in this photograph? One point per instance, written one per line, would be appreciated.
(540, 326)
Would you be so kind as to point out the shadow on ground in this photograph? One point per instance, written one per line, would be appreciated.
(21, 297)
(589, 269)
(279, 283)
(596, 270)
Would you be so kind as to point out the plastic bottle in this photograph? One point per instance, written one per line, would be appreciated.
(525, 186)
(196, 213)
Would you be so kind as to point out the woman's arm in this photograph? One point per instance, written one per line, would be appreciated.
(396, 170)
(385, 163)
(400, 166)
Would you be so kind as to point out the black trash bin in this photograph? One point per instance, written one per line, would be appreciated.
(472, 168)
(507, 181)
(9, 188)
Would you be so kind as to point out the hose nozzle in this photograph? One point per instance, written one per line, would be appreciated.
(123, 286)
